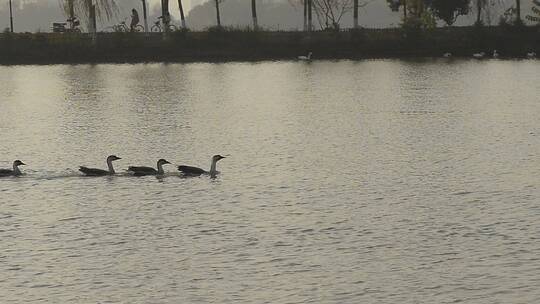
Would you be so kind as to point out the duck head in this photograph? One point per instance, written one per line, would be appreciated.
(18, 163)
(113, 158)
(217, 158)
(162, 162)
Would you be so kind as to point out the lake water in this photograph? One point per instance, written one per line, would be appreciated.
(379, 181)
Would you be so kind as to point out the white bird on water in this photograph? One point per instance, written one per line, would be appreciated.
(479, 55)
(531, 55)
(15, 171)
(495, 54)
(306, 58)
(447, 55)
(194, 171)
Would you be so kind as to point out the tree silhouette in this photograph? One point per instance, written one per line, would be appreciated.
(254, 14)
(105, 9)
(218, 16)
(182, 17)
(535, 17)
(448, 11)
(480, 4)
(518, 11)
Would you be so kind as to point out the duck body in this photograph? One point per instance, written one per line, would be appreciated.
(447, 55)
(189, 170)
(195, 171)
(93, 171)
(305, 58)
(479, 55)
(143, 171)
(12, 172)
(7, 172)
(100, 172)
(531, 55)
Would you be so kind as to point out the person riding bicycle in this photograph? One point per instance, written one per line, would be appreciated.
(166, 19)
(134, 19)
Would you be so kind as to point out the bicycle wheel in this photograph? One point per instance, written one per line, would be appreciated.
(156, 28)
(138, 28)
(172, 28)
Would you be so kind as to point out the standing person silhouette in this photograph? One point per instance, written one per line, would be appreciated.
(134, 19)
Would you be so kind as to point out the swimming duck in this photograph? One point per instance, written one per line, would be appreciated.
(194, 171)
(15, 171)
(306, 58)
(100, 172)
(142, 171)
(479, 55)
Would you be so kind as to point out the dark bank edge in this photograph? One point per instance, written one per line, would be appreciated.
(238, 45)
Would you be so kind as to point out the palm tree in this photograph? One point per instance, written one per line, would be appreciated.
(355, 13)
(10, 16)
(518, 11)
(182, 17)
(305, 14)
(86, 10)
(254, 14)
(217, 13)
(309, 14)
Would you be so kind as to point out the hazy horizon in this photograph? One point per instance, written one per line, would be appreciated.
(38, 16)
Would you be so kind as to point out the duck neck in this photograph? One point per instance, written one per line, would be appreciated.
(16, 170)
(160, 169)
(109, 164)
(213, 170)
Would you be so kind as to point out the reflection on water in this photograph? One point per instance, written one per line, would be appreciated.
(346, 182)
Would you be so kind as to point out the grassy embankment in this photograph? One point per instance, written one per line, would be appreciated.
(230, 45)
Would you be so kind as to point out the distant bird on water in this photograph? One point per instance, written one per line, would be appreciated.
(531, 55)
(306, 58)
(100, 172)
(14, 172)
(142, 171)
(495, 54)
(194, 171)
(447, 55)
(479, 55)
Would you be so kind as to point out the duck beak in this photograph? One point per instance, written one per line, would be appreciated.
(23, 164)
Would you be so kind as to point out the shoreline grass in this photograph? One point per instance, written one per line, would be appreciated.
(248, 45)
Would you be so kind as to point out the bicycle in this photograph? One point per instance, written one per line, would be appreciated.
(74, 25)
(158, 28)
(122, 27)
(62, 27)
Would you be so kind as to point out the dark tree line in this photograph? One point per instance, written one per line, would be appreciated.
(448, 10)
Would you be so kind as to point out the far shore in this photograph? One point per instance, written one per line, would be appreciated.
(236, 45)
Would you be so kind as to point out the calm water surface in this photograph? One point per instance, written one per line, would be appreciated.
(345, 182)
